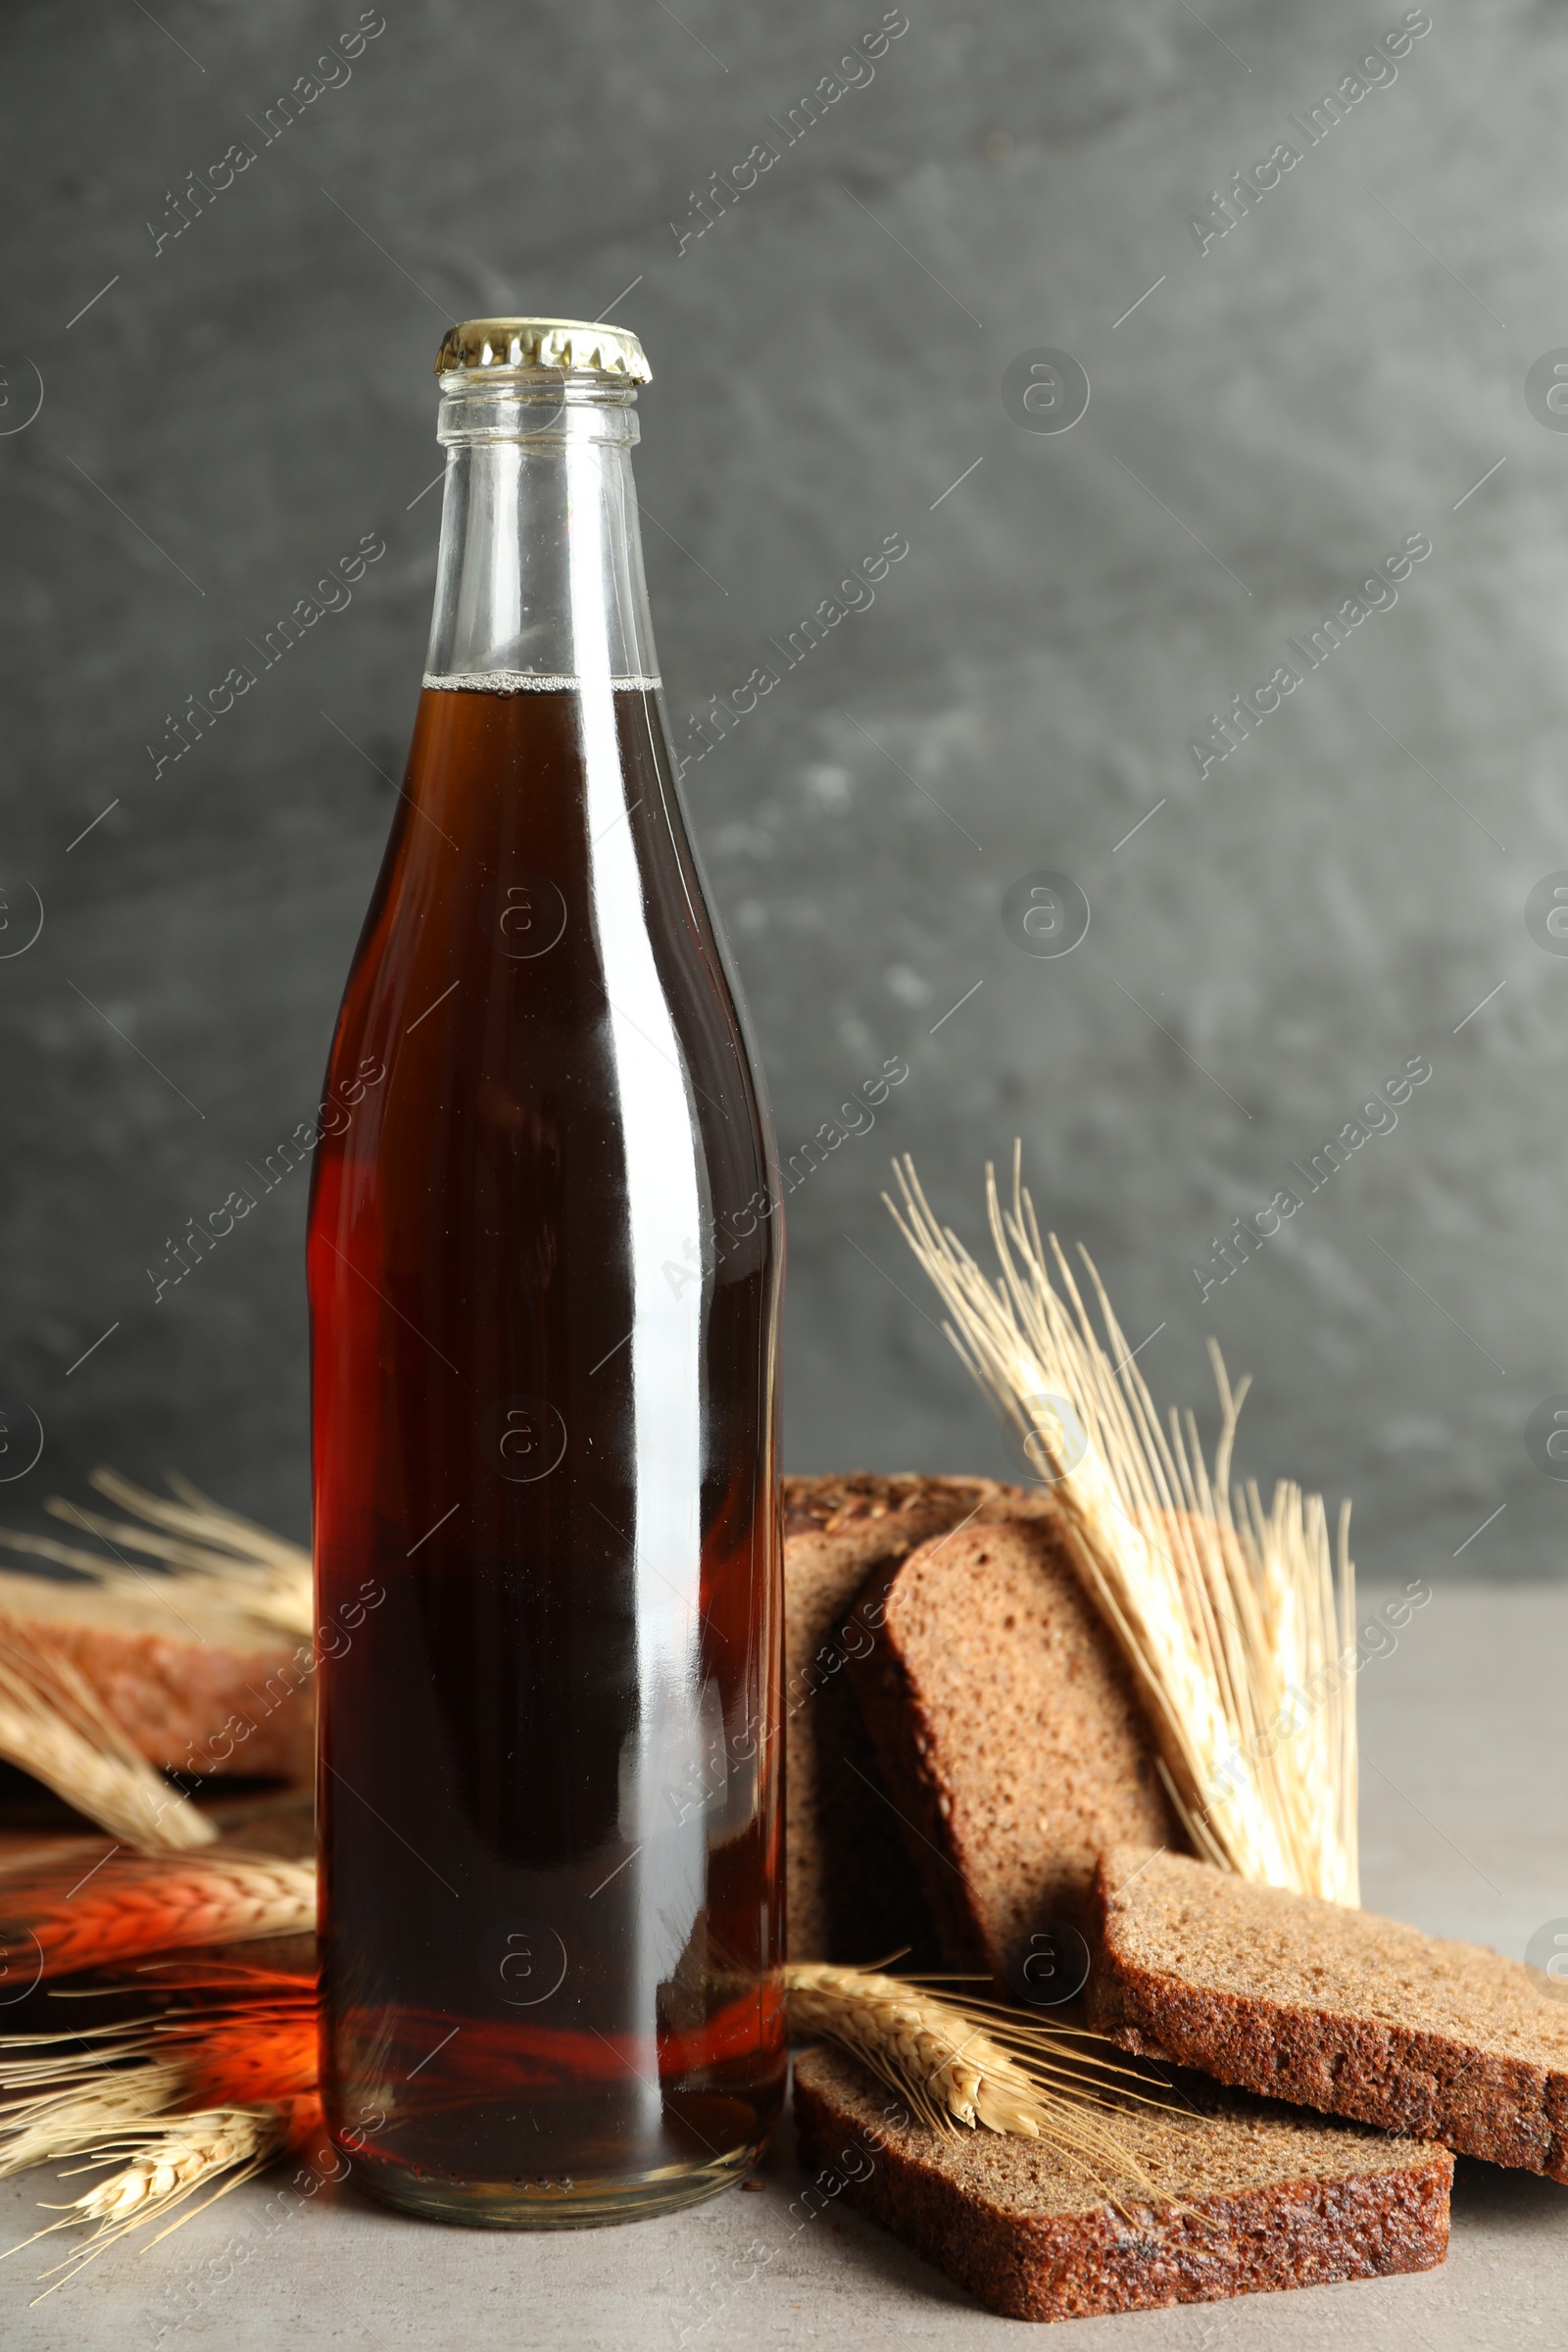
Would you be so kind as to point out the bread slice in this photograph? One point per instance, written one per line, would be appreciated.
(1335, 2008)
(1269, 2198)
(852, 1894)
(197, 1686)
(1010, 1736)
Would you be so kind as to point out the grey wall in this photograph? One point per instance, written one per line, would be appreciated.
(1332, 900)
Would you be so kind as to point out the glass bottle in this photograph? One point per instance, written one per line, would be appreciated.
(544, 1267)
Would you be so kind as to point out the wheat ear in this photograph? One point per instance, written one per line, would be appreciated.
(77, 2107)
(162, 2166)
(54, 1919)
(207, 1549)
(61, 2094)
(972, 2066)
(176, 2103)
(1234, 1625)
(54, 1725)
(205, 2096)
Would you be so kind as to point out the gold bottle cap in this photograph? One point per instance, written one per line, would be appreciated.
(552, 343)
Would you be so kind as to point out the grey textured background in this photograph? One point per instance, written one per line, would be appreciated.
(236, 410)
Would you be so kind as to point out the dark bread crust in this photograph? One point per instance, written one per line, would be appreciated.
(1273, 2200)
(852, 1895)
(1008, 1734)
(869, 1516)
(196, 1686)
(1336, 2009)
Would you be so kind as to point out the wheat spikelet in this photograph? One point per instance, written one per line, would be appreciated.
(54, 1725)
(53, 1918)
(202, 2096)
(62, 2095)
(1234, 1625)
(207, 1549)
(78, 2107)
(971, 2065)
(163, 2165)
(191, 2099)
(174, 2103)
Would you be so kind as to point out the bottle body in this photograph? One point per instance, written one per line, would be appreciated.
(544, 1276)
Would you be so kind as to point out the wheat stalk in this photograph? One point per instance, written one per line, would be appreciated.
(72, 2094)
(53, 1917)
(79, 2106)
(175, 2102)
(209, 1551)
(52, 1722)
(1232, 1621)
(54, 1725)
(971, 2065)
(257, 2045)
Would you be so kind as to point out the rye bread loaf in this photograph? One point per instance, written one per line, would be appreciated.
(1335, 2008)
(1269, 2198)
(851, 1892)
(1010, 1736)
(195, 1685)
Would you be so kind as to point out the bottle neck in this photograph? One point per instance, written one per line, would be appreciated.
(540, 578)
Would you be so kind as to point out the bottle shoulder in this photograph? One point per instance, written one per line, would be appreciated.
(540, 958)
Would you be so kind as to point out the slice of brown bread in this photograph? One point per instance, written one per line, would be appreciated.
(852, 1894)
(1338, 2009)
(1268, 2199)
(1010, 1736)
(197, 1686)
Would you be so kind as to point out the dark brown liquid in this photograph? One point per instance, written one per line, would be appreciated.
(543, 1280)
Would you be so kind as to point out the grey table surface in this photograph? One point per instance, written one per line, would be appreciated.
(1465, 1829)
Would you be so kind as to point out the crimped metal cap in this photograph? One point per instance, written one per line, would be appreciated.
(555, 343)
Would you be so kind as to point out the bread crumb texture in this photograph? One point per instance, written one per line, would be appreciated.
(999, 1705)
(1338, 2009)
